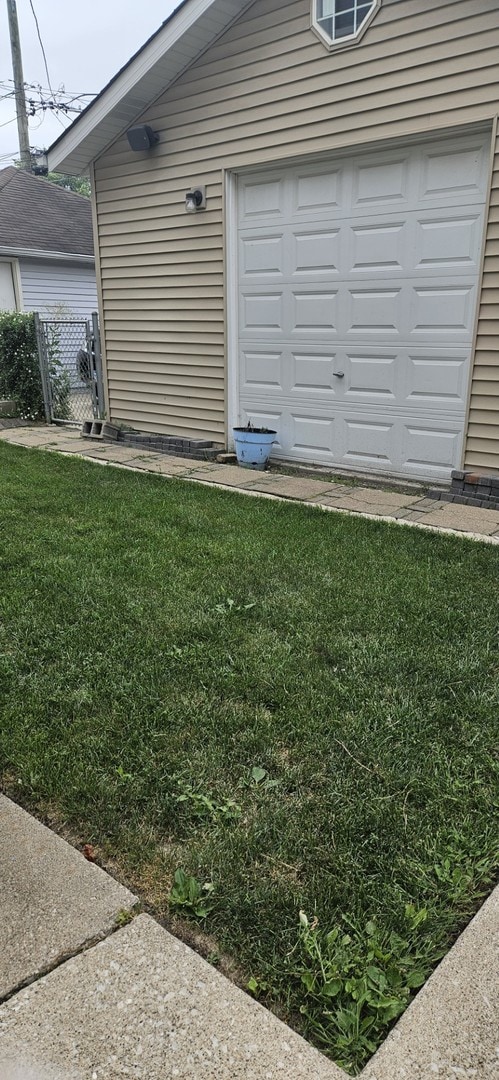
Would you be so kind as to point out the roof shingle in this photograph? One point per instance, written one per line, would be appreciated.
(41, 216)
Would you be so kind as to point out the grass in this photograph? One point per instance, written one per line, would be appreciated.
(295, 709)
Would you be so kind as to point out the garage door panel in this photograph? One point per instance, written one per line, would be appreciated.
(378, 247)
(381, 182)
(430, 449)
(379, 440)
(448, 242)
(448, 310)
(376, 312)
(313, 434)
(262, 371)
(436, 383)
(262, 312)
(358, 286)
(316, 252)
(262, 199)
(393, 311)
(419, 381)
(369, 442)
(314, 312)
(371, 377)
(452, 173)
(262, 255)
(312, 373)
(312, 190)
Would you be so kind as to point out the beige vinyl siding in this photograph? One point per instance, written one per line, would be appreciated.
(482, 444)
(267, 91)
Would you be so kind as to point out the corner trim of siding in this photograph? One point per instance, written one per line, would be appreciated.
(486, 217)
(98, 282)
(18, 285)
(231, 302)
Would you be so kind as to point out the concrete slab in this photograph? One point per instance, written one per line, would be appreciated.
(120, 454)
(230, 475)
(464, 518)
(173, 466)
(24, 437)
(67, 446)
(99, 453)
(382, 497)
(141, 1004)
(52, 901)
(451, 1029)
(291, 487)
(354, 504)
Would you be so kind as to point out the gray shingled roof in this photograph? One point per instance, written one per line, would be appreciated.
(39, 215)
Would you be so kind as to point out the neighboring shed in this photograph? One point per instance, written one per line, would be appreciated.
(342, 284)
(46, 247)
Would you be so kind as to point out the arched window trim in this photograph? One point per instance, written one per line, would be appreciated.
(344, 42)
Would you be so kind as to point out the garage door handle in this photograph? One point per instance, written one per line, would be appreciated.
(339, 374)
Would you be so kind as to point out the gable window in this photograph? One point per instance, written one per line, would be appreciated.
(341, 22)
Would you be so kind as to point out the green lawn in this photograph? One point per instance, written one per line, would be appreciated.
(298, 708)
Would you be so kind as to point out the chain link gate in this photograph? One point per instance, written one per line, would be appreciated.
(71, 369)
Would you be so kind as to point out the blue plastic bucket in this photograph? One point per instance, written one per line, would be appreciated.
(253, 447)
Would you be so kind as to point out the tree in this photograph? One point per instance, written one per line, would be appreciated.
(79, 184)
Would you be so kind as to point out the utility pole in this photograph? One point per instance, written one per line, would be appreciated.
(17, 70)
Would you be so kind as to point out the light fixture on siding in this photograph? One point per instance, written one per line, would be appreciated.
(142, 137)
(195, 200)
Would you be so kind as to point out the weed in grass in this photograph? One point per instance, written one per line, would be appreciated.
(189, 896)
(203, 806)
(260, 778)
(353, 982)
(231, 607)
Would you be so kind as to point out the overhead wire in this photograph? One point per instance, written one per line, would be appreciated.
(41, 45)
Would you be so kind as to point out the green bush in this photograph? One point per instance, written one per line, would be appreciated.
(20, 377)
(19, 370)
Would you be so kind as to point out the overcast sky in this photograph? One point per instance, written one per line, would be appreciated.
(86, 42)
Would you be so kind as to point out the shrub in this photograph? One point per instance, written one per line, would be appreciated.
(20, 377)
(19, 369)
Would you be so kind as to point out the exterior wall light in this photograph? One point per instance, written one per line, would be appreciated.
(142, 137)
(195, 200)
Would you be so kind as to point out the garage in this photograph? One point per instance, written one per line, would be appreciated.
(358, 287)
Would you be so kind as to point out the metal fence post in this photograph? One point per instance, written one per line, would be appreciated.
(98, 364)
(44, 372)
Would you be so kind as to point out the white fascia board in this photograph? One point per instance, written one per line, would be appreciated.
(172, 49)
(51, 256)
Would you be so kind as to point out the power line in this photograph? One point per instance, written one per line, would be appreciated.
(61, 100)
(8, 84)
(41, 44)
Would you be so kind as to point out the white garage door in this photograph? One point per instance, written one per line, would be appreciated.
(358, 288)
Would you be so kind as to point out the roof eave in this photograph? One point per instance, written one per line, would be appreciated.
(178, 43)
(14, 252)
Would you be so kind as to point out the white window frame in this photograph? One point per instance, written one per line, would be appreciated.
(351, 39)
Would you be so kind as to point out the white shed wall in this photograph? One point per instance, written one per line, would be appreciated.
(47, 285)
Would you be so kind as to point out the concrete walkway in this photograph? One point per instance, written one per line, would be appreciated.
(90, 995)
(387, 505)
